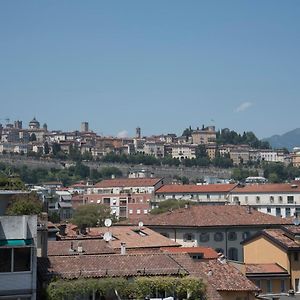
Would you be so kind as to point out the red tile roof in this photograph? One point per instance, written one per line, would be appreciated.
(268, 188)
(192, 188)
(127, 182)
(71, 267)
(257, 269)
(221, 276)
(56, 248)
(208, 253)
(212, 215)
(133, 236)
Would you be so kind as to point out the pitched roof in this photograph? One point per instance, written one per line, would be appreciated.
(133, 236)
(87, 266)
(208, 253)
(268, 188)
(127, 182)
(262, 269)
(57, 248)
(277, 236)
(221, 276)
(213, 215)
(193, 188)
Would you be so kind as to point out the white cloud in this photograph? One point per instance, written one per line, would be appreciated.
(243, 106)
(122, 134)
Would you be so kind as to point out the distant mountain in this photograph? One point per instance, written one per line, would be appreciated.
(287, 140)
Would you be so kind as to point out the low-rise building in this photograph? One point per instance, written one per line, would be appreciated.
(18, 257)
(221, 227)
(282, 199)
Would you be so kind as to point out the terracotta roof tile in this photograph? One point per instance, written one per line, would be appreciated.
(221, 276)
(193, 188)
(109, 265)
(213, 215)
(268, 188)
(282, 238)
(56, 248)
(208, 253)
(274, 268)
(133, 236)
(127, 182)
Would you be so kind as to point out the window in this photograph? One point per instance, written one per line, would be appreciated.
(282, 285)
(280, 199)
(246, 199)
(5, 262)
(271, 199)
(188, 237)
(233, 254)
(208, 196)
(296, 256)
(145, 211)
(218, 236)
(246, 235)
(269, 286)
(236, 199)
(257, 199)
(22, 258)
(268, 210)
(257, 283)
(204, 237)
(15, 259)
(138, 211)
(290, 199)
(232, 236)
(287, 212)
(130, 211)
(297, 283)
(278, 211)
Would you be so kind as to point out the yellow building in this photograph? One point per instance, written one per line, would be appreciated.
(277, 250)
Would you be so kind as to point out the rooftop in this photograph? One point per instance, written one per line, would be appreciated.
(127, 182)
(268, 188)
(213, 215)
(263, 269)
(193, 188)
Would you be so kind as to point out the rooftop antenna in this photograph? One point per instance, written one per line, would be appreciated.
(141, 224)
(107, 222)
(296, 220)
(107, 236)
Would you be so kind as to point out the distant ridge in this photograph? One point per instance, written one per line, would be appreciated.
(287, 140)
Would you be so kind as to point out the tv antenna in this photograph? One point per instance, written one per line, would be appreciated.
(107, 236)
(107, 222)
(141, 224)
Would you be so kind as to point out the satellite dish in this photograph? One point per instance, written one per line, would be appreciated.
(141, 224)
(296, 221)
(107, 222)
(107, 236)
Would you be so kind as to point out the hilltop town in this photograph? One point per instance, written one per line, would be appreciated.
(109, 235)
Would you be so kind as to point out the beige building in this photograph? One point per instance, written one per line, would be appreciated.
(204, 136)
(280, 246)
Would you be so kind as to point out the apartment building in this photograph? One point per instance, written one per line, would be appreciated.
(18, 263)
(221, 227)
(280, 246)
(281, 200)
(204, 194)
(183, 151)
(206, 135)
(127, 197)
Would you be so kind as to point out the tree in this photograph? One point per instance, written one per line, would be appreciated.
(26, 204)
(91, 215)
(170, 204)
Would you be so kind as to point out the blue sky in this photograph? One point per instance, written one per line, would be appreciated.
(160, 65)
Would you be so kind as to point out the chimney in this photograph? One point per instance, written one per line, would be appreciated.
(62, 229)
(79, 247)
(123, 248)
(249, 209)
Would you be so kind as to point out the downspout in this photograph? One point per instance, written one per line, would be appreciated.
(290, 270)
(175, 234)
(226, 244)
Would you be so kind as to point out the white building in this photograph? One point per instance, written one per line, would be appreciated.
(275, 199)
(18, 262)
(184, 151)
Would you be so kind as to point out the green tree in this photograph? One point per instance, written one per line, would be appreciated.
(24, 205)
(170, 204)
(91, 215)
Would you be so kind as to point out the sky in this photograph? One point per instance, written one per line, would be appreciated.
(160, 65)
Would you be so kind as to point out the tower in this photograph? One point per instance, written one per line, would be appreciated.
(84, 126)
(138, 132)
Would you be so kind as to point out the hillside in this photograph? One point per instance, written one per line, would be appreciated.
(287, 140)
